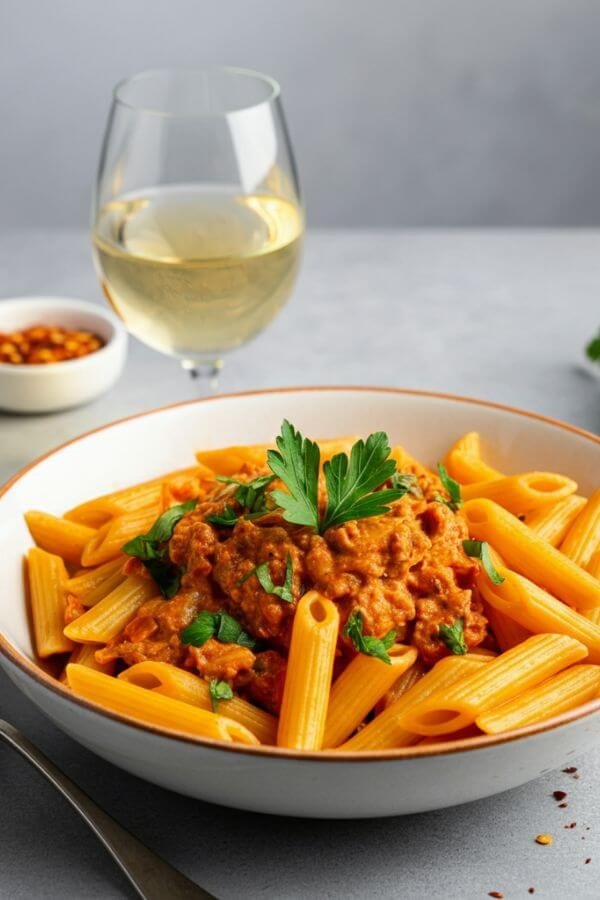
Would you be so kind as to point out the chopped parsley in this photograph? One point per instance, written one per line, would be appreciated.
(481, 550)
(251, 496)
(219, 625)
(453, 637)
(592, 350)
(406, 481)
(219, 690)
(453, 501)
(284, 591)
(370, 646)
(151, 549)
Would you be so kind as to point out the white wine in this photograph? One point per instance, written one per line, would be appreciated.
(193, 271)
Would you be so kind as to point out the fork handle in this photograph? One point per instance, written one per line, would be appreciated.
(151, 876)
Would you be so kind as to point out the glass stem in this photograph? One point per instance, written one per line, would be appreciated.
(207, 372)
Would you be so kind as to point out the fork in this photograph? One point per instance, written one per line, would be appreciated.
(151, 876)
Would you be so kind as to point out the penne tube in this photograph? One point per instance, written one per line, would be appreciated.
(402, 685)
(464, 462)
(562, 692)
(517, 670)
(583, 537)
(58, 536)
(593, 566)
(507, 632)
(309, 672)
(531, 555)
(520, 494)
(538, 611)
(163, 678)
(107, 543)
(104, 621)
(94, 584)
(47, 576)
(356, 691)
(95, 513)
(85, 655)
(155, 709)
(230, 460)
(553, 522)
(386, 732)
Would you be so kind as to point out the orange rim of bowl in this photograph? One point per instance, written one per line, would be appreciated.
(29, 668)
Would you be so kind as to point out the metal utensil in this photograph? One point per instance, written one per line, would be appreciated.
(151, 876)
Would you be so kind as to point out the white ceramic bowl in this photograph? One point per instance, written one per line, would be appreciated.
(47, 388)
(272, 780)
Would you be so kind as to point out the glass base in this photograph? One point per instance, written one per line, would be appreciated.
(206, 371)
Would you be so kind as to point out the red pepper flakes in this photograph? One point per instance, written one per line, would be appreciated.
(559, 795)
(531, 891)
(588, 860)
(570, 770)
(571, 825)
(498, 894)
(562, 805)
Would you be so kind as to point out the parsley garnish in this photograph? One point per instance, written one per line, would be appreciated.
(150, 550)
(453, 637)
(251, 495)
(284, 591)
(370, 646)
(406, 481)
(219, 690)
(351, 482)
(226, 518)
(219, 625)
(452, 488)
(592, 350)
(481, 550)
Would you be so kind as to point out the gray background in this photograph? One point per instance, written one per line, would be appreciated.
(403, 112)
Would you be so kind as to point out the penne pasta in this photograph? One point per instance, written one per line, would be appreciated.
(356, 691)
(520, 494)
(59, 536)
(527, 553)
(553, 522)
(309, 670)
(562, 692)
(94, 584)
(230, 460)
(179, 684)
(107, 543)
(402, 685)
(85, 655)
(538, 611)
(47, 576)
(464, 462)
(454, 708)
(155, 709)
(386, 730)
(507, 632)
(103, 622)
(593, 566)
(583, 537)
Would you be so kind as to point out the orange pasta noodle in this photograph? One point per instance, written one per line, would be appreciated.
(152, 708)
(537, 610)
(94, 584)
(103, 622)
(386, 730)
(583, 537)
(402, 685)
(189, 688)
(464, 462)
(85, 655)
(562, 692)
(356, 691)
(522, 667)
(593, 567)
(530, 555)
(507, 632)
(522, 493)
(553, 522)
(58, 536)
(231, 460)
(107, 543)
(309, 670)
(47, 576)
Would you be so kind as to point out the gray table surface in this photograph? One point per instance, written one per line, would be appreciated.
(496, 314)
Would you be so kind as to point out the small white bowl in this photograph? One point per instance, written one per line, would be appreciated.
(60, 385)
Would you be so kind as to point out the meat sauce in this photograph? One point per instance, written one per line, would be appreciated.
(405, 570)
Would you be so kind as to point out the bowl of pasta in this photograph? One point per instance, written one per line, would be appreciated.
(331, 602)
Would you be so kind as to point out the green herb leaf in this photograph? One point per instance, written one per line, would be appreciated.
(219, 690)
(284, 591)
(219, 625)
(296, 463)
(226, 518)
(452, 488)
(352, 483)
(593, 349)
(150, 550)
(370, 646)
(453, 637)
(481, 550)
(406, 481)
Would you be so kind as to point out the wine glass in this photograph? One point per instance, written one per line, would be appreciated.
(198, 221)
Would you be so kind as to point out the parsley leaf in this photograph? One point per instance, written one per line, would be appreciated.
(296, 463)
(370, 646)
(452, 488)
(592, 350)
(226, 518)
(251, 495)
(219, 690)
(284, 591)
(481, 550)
(453, 637)
(219, 625)
(406, 481)
(149, 549)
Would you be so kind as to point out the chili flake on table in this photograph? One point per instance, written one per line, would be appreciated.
(43, 344)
